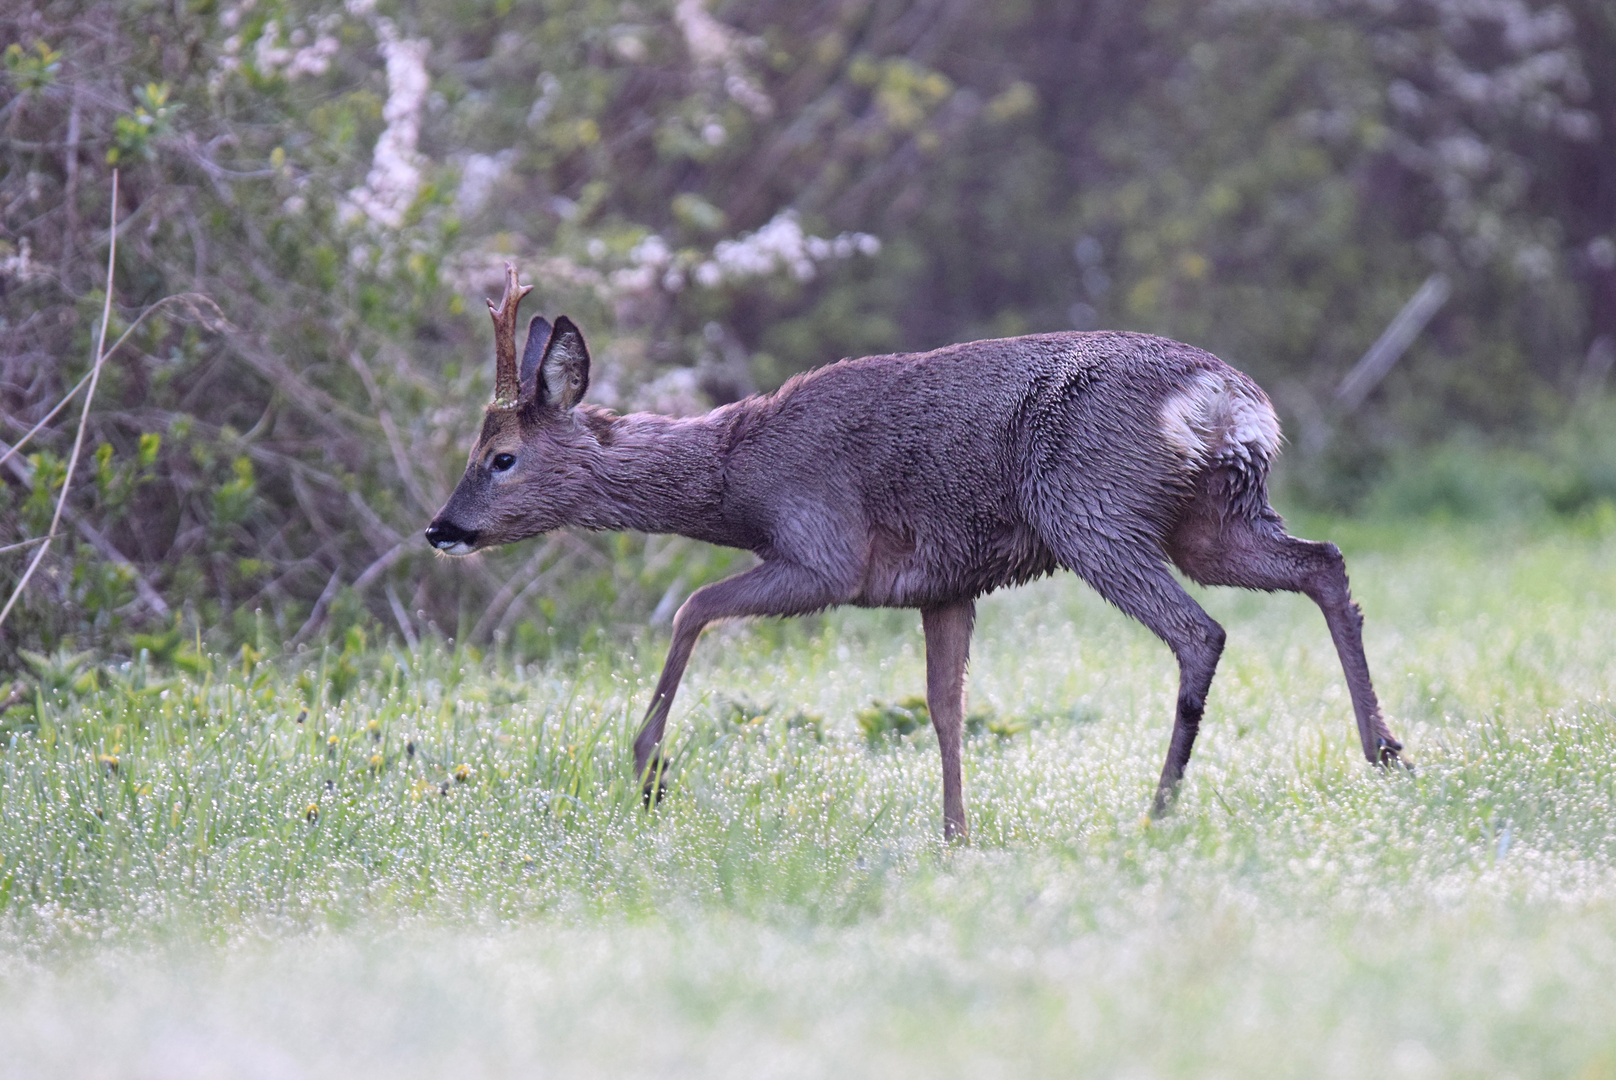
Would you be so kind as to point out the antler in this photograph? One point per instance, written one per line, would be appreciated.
(505, 377)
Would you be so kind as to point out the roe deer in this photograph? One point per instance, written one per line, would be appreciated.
(924, 481)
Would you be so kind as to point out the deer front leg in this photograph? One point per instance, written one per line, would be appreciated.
(773, 588)
(948, 648)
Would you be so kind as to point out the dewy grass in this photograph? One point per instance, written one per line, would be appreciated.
(451, 869)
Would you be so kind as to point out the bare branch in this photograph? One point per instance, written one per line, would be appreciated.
(322, 606)
(530, 571)
(26, 543)
(60, 405)
(401, 460)
(193, 300)
(84, 416)
(403, 619)
(519, 604)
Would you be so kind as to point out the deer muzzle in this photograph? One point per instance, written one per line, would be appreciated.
(451, 539)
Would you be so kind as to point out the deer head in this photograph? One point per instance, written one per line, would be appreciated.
(525, 475)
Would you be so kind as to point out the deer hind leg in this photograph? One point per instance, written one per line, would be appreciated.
(948, 646)
(772, 588)
(1134, 578)
(1256, 553)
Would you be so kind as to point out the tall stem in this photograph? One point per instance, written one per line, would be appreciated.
(84, 416)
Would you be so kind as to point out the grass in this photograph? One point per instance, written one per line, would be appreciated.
(449, 870)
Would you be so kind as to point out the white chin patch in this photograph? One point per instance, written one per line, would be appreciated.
(459, 547)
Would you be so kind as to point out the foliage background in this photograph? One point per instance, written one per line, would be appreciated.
(723, 196)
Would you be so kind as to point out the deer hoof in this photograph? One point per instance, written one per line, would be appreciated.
(1386, 754)
(654, 780)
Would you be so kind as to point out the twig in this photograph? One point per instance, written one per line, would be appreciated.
(1393, 341)
(26, 543)
(518, 605)
(317, 616)
(502, 600)
(60, 405)
(144, 589)
(403, 617)
(70, 189)
(329, 593)
(401, 460)
(190, 298)
(84, 416)
(378, 568)
(318, 405)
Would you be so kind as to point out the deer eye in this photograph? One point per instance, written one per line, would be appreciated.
(502, 462)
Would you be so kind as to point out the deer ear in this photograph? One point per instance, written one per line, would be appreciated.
(564, 370)
(538, 335)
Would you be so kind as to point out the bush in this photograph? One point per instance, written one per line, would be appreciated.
(723, 197)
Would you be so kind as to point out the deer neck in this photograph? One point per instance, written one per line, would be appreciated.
(659, 474)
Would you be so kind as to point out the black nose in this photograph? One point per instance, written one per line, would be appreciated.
(443, 534)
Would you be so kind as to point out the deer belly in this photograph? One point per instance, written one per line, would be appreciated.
(903, 573)
(892, 569)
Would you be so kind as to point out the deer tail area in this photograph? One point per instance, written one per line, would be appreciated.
(1222, 422)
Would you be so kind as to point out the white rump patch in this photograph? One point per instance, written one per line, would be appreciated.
(1220, 417)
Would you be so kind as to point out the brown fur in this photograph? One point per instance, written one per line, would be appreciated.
(925, 481)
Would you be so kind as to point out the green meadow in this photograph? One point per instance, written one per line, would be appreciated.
(359, 860)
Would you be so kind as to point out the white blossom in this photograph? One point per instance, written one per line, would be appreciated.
(314, 59)
(230, 17)
(711, 43)
(780, 245)
(717, 51)
(291, 58)
(675, 393)
(1464, 153)
(628, 45)
(480, 174)
(549, 91)
(1534, 262)
(395, 173)
(269, 53)
(18, 264)
(1578, 125)
(633, 279)
(652, 251)
(709, 275)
